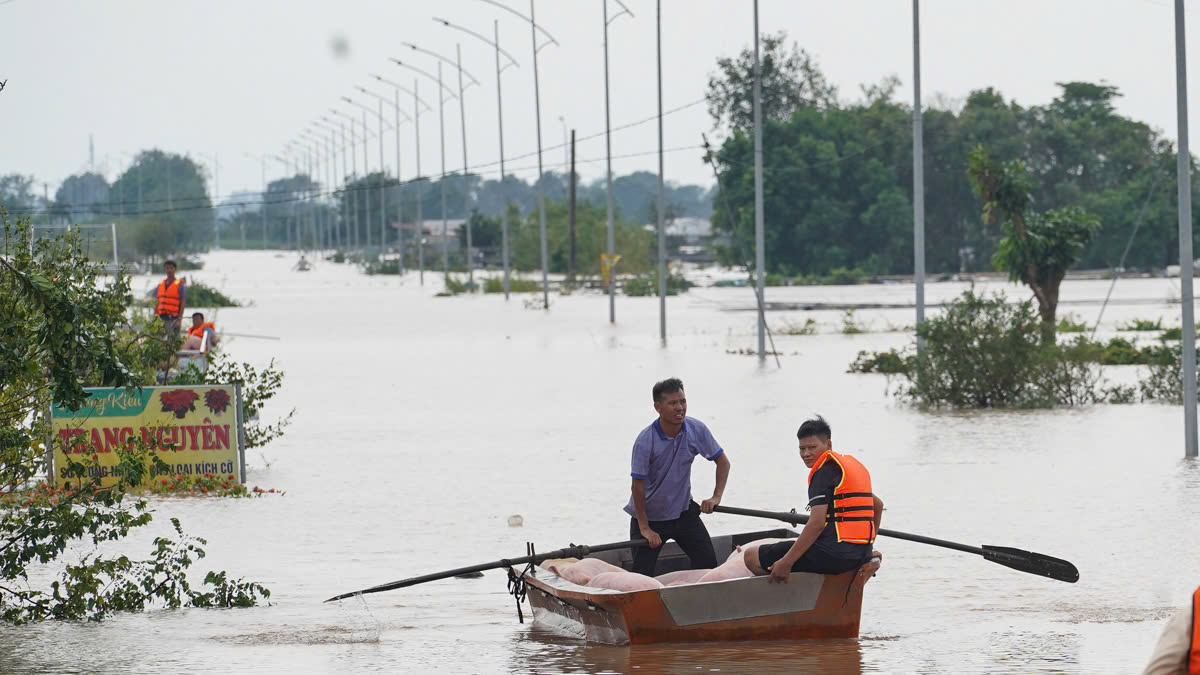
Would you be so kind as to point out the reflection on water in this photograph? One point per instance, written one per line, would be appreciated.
(541, 651)
(424, 423)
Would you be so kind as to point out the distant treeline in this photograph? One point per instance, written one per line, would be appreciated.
(838, 175)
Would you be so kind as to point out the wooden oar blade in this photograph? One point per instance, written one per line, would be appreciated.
(1033, 563)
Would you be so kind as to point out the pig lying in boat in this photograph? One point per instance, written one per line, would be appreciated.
(599, 574)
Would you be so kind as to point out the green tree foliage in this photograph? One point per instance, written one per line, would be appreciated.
(838, 174)
(791, 80)
(632, 242)
(174, 212)
(57, 327)
(81, 197)
(1037, 248)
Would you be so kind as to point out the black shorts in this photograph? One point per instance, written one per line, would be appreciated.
(813, 560)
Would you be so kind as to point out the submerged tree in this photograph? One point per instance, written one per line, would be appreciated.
(57, 328)
(1037, 247)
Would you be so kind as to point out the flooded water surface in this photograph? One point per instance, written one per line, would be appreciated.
(423, 423)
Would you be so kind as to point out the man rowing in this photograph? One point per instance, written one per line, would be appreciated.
(843, 520)
(660, 503)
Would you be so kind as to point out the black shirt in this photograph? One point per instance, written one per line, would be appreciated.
(820, 492)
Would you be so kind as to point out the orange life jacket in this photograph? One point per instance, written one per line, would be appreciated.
(852, 510)
(198, 331)
(168, 298)
(1194, 650)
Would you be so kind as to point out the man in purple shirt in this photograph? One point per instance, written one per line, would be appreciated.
(661, 502)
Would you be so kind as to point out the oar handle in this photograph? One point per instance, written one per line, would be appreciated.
(573, 551)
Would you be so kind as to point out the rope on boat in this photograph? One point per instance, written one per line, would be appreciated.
(516, 582)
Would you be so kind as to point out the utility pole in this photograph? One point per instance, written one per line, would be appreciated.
(918, 178)
(662, 238)
(1184, 174)
(571, 215)
(759, 245)
(419, 184)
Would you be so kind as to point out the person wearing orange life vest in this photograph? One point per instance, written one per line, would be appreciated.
(1178, 649)
(196, 335)
(844, 515)
(171, 297)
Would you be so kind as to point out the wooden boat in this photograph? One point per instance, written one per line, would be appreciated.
(808, 606)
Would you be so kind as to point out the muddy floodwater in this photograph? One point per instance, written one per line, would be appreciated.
(423, 423)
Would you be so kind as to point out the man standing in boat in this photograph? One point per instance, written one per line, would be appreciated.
(843, 520)
(661, 505)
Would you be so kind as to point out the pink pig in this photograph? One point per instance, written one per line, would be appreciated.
(582, 572)
(681, 577)
(625, 581)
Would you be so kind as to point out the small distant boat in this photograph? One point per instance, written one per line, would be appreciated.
(302, 265)
(808, 606)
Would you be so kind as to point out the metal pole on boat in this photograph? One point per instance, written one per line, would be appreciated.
(918, 177)
(759, 244)
(1183, 171)
(662, 237)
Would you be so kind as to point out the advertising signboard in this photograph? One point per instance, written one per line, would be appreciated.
(198, 429)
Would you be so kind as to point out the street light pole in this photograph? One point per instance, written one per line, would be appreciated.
(918, 179)
(1183, 170)
(759, 245)
(462, 117)
(537, 102)
(541, 197)
(608, 176)
(662, 239)
(442, 136)
(500, 119)
(419, 184)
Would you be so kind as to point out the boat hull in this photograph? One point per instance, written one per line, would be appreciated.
(808, 606)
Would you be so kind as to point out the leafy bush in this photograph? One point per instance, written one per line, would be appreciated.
(200, 294)
(1071, 324)
(809, 327)
(890, 362)
(646, 286)
(982, 352)
(1142, 325)
(496, 285)
(60, 329)
(774, 279)
(849, 325)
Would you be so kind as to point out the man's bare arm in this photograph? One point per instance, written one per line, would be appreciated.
(723, 465)
(638, 488)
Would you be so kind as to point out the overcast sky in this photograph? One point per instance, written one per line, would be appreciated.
(225, 78)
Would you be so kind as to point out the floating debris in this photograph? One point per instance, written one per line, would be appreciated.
(515, 521)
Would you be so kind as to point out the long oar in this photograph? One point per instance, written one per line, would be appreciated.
(1024, 561)
(579, 551)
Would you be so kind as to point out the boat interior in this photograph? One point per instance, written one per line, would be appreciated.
(673, 559)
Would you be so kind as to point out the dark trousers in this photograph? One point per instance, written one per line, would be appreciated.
(687, 530)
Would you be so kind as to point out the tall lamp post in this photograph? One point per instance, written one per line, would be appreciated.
(382, 165)
(1183, 169)
(400, 209)
(462, 118)
(442, 135)
(500, 118)
(262, 196)
(416, 118)
(332, 128)
(537, 103)
(608, 176)
(365, 224)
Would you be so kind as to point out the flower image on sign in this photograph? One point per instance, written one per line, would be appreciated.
(192, 439)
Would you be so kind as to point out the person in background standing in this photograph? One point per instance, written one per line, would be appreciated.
(171, 297)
